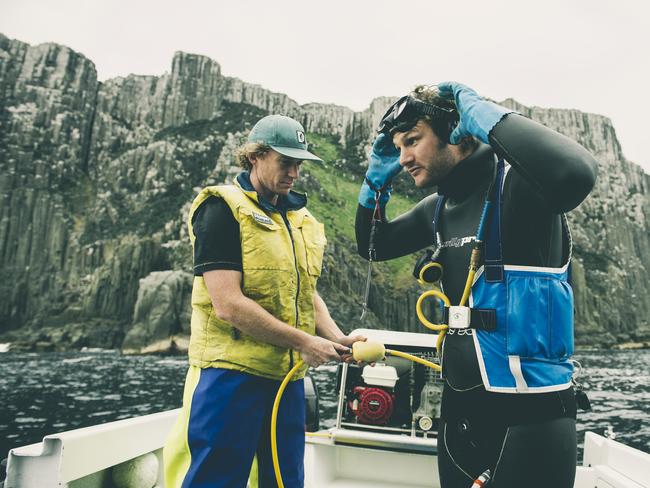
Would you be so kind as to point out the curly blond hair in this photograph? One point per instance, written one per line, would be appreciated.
(244, 154)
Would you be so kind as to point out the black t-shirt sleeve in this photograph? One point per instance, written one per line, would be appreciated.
(217, 244)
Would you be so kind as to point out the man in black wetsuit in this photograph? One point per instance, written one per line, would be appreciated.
(503, 183)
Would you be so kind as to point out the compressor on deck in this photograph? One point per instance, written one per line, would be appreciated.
(394, 395)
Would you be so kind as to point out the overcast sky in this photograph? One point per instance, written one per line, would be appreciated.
(589, 55)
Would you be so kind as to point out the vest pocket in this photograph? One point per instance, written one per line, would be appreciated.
(561, 320)
(539, 317)
(313, 234)
(263, 243)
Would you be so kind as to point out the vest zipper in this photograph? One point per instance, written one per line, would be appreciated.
(295, 262)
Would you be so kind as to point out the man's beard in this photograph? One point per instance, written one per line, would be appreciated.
(444, 163)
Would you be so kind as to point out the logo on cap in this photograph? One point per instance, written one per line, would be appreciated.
(301, 136)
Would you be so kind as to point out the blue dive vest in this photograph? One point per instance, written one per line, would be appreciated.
(530, 349)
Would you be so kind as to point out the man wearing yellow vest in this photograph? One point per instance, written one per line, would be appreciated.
(258, 253)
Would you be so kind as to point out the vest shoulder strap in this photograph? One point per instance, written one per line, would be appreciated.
(231, 194)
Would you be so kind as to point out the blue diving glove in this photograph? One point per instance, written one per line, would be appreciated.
(477, 116)
(383, 165)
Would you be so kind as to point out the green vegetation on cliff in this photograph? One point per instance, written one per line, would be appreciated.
(333, 200)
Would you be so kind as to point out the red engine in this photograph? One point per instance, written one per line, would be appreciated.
(372, 405)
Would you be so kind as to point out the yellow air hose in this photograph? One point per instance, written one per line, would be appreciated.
(274, 422)
(442, 328)
(368, 352)
(415, 359)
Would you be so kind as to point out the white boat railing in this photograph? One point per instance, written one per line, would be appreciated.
(63, 458)
(610, 464)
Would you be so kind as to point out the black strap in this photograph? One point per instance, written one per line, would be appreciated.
(436, 218)
(493, 261)
(480, 318)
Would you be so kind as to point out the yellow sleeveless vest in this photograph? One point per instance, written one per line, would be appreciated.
(280, 270)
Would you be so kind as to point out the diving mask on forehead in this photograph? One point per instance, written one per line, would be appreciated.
(405, 112)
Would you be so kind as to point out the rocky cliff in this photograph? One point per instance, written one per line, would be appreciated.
(95, 180)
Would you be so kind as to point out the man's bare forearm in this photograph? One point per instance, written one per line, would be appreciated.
(247, 315)
(243, 313)
(325, 325)
(251, 318)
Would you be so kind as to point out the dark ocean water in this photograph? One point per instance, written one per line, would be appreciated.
(45, 393)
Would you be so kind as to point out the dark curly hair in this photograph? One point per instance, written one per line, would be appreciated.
(429, 94)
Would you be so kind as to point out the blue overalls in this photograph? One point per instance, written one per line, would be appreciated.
(528, 347)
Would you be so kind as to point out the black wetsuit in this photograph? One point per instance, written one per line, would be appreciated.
(518, 437)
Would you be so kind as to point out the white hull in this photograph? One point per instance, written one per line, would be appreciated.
(85, 457)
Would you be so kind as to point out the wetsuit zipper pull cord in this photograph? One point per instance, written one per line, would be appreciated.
(482, 480)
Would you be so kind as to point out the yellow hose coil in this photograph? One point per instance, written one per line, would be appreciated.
(442, 328)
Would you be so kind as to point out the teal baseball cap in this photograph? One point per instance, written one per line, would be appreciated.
(284, 135)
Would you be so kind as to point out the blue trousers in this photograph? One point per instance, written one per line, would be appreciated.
(227, 423)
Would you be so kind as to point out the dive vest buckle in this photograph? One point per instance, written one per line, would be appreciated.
(459, 317)
(470, 318)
